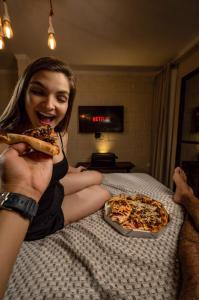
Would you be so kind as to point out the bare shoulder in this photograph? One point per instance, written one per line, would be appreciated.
(65, 140)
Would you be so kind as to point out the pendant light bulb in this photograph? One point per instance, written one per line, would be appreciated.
(7, 29)
(51, 41)
(2, 44)
(51, 35)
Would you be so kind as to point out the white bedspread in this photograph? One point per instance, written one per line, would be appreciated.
(90, 260)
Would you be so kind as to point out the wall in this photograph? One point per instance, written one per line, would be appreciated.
(135, 92)
(8, 78)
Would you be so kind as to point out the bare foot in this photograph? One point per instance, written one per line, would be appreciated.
(183, 190)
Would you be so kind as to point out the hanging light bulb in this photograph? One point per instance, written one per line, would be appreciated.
(2, 44)
(51, 41)
(7, 29)
(51, 33)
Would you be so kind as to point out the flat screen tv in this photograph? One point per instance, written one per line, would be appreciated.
(101, 119)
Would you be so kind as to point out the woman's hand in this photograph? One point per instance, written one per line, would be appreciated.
(76, 170)
(80, 169)
(27, 174)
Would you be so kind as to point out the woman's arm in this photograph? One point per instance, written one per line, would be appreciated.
(70, 168)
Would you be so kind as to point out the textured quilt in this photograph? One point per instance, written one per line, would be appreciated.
(90, 260)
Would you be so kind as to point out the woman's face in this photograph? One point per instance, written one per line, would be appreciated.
(46, 100)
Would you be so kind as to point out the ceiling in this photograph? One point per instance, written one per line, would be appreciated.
(105, 32)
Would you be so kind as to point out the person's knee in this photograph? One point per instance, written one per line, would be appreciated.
(66, 221)
(107, 195)
(103, 194)
(97, 177)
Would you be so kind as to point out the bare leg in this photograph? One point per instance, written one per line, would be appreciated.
(83, 203)
(83, 195)
(74, 182)
(188, 251)
(188, 248)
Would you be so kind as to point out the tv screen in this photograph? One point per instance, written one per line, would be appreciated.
(101, 119)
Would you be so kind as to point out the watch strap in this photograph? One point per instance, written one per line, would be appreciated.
(26, 206)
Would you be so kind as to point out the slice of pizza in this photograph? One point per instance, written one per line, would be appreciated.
(133, 223)
(120, 210)
(147, 214)
(42, 139)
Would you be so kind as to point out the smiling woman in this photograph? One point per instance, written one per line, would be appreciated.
(44, 96)
(38, 77)
(47, 96)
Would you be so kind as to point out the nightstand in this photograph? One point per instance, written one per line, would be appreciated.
(118, 167)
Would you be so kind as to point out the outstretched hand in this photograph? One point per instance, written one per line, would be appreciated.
(27, 174)
(77, 169)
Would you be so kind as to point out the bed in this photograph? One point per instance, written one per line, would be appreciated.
(90, 260)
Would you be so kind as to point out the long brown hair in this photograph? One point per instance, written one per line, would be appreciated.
(14, 116)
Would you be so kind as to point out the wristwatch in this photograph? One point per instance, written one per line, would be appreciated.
(25, 206)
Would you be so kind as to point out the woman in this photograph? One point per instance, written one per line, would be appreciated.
(44, 96)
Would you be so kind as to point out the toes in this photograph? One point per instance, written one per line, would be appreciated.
(178, 170)
(185, 177)
(182, 173)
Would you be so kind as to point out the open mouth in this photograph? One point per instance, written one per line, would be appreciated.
(45, 118)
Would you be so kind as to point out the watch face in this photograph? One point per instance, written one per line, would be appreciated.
(3, 198)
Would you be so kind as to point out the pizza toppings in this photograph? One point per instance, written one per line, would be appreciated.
(44, 133)
(42, 139)
(137, 212)
(120, 211)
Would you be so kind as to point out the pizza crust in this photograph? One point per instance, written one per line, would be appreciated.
(36, 144)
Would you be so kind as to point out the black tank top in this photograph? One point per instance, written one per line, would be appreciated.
(49, 216)
(60, 169)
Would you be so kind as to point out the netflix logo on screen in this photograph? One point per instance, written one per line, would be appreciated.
(101, 119)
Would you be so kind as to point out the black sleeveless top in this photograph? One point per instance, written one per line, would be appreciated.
(49, 216)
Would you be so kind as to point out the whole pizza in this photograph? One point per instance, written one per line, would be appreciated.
(137, 212)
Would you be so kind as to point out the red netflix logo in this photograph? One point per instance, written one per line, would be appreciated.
(100, 119)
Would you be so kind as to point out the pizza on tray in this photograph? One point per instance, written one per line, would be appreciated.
(137, 212)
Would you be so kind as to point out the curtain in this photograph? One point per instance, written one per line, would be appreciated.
(163, 118)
